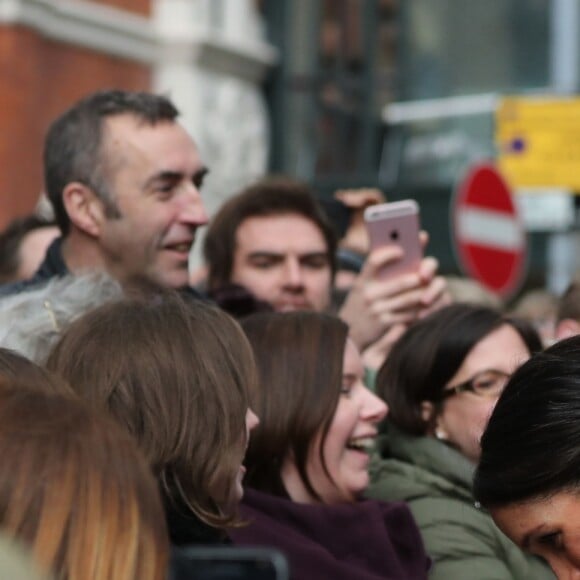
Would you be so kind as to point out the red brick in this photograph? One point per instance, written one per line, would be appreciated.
(137, 6)
(40, 79)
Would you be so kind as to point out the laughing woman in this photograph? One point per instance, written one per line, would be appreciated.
(308, 459)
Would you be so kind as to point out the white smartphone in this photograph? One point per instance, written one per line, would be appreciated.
(396, 223)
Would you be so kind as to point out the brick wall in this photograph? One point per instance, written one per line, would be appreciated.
(138, 6)
(40, 78)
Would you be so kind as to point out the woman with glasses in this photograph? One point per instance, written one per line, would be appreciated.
(441, 382)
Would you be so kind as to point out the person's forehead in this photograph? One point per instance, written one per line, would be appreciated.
(502, 349)
(128, 138)
(352, 360)
(280, 232)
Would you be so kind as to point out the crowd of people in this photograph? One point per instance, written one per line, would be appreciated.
(383, 429)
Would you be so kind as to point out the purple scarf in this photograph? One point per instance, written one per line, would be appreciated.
(362, 541)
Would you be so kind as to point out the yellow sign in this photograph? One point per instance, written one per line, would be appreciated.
(538, 142)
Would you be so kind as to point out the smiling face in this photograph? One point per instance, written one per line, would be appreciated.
(463, 416)
(155, 173)
(349, 440)
(283, 260)
(549, 528)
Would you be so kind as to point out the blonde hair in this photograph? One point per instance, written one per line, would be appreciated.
(74, 488)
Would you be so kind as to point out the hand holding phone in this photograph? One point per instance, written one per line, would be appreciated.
(396, 224)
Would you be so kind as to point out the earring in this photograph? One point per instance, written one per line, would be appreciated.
(440, 434)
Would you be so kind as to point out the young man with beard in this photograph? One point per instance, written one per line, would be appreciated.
(275, 241)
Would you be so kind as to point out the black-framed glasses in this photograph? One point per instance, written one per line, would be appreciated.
(488, 383)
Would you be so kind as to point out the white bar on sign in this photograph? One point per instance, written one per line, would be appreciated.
(546, 209)
(435, 109)
(489, 228)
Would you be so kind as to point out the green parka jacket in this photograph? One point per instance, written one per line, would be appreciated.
(435, 480)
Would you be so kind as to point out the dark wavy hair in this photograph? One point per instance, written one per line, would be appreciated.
(531, 447)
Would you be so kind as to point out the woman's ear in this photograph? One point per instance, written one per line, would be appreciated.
(433, 421)
(427, 412)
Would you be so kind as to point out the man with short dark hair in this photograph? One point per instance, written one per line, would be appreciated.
(123, 177)
(274, 240)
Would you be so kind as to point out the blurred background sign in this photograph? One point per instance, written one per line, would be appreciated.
(538, 141)
(489, 237)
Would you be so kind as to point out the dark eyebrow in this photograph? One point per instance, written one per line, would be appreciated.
(164, 176)
(310, 255)
(201, 173)
(264, 254)
(169, 175)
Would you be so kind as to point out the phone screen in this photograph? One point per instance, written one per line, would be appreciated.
(228, 563)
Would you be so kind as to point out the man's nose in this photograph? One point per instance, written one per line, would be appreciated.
(193, 210)
(293, 273)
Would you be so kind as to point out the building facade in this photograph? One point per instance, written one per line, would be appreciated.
(209, 56)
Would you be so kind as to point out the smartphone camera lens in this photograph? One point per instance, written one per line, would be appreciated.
(394, 235)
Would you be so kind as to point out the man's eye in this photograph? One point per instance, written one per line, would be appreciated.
(263, 264)
(316, 263)
(166, 188)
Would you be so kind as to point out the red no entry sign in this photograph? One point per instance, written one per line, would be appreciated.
(489, 236)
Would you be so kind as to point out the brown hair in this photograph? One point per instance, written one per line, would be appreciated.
(74, 488)
(175, 375)
(16, 368)
(299, 357)
(268, 197)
